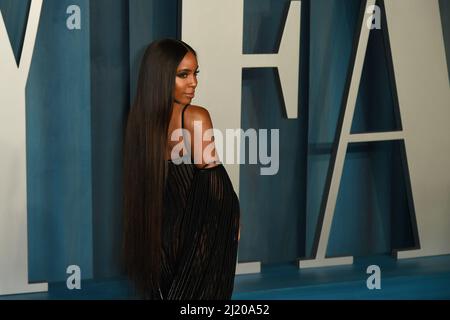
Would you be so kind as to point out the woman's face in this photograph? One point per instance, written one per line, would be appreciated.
(186, 79)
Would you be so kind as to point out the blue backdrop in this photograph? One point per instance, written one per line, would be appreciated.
(79, 89)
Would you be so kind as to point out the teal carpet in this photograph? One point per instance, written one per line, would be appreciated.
(421, 278)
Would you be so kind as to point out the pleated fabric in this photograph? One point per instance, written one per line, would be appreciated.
(200, 234)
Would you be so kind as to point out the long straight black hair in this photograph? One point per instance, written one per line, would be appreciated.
(145, 167)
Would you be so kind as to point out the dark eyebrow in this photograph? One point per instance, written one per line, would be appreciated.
(188, 70)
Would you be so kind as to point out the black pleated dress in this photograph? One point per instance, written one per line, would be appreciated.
(200, 233)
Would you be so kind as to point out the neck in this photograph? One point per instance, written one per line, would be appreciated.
(178, 104)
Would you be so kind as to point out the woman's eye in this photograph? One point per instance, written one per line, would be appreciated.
(185, 75)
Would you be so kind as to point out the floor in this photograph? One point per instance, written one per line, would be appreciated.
(421, 278)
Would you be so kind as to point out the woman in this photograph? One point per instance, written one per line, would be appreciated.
(181, 222)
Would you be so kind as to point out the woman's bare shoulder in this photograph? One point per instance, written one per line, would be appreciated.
(201, 114)
(198, 113)
(196, 110)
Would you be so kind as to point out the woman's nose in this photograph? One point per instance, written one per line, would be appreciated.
(194, 82)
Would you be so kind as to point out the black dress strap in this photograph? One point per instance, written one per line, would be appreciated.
(182, 127)
(182, 116)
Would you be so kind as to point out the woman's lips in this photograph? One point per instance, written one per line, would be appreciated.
(189, 95)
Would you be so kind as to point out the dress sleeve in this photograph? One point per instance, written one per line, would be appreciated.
(207, 260)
